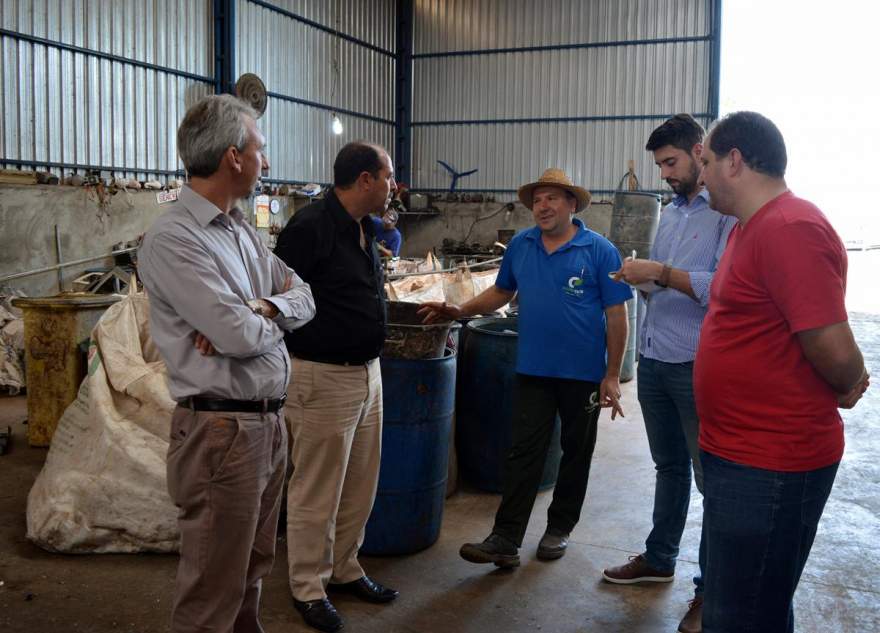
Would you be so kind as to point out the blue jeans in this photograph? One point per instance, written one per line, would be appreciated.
(666, 395)
(759, 527)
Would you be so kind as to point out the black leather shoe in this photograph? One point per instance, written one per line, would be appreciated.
(367, 589)
(319, 614)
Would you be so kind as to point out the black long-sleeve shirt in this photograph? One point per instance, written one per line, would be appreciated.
(321, 243)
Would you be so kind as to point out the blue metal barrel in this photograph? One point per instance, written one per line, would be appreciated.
(487, 373)
(419, 402)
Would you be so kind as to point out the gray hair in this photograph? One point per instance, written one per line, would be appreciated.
(210, 127)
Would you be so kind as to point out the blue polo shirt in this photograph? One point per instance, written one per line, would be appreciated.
(389, 239)
(562, 301)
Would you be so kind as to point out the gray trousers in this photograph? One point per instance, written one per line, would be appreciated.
(225, 473)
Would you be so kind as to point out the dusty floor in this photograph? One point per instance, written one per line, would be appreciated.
(45, 593)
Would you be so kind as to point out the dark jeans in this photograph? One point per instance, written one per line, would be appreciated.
(759, 527)
(536, 401)
(666, 396)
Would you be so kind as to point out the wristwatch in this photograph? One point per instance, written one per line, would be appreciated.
(663, 282)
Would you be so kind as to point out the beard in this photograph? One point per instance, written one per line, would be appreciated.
(688, 185)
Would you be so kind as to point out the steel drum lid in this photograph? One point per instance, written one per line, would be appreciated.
(497, 326)
(67, 301)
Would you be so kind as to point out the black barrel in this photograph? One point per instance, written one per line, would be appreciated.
(485, 405)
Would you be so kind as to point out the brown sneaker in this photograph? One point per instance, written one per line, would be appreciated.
(692, 622)
(636, 570)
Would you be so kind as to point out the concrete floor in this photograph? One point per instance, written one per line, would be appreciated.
(440, 593)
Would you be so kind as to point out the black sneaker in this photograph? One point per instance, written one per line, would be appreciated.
(495, 549)
(553, 545)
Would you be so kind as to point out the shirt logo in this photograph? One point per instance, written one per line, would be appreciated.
(574, 287)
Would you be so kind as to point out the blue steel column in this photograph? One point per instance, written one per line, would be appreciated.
(224, 46)
(403, 110)
(715, 60)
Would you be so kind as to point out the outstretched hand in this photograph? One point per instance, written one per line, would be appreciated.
(432, 311)
(638, 271)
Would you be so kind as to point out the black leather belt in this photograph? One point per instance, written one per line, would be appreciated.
(331, 361)
(266, 405)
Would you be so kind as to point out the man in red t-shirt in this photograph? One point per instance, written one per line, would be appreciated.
(775, 361)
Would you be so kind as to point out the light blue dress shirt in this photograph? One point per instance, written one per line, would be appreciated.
(691, 237)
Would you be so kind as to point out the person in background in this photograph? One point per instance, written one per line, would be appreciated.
(776, 360)
(689, 242)
(335, 395)
(219, 304)
(388, 238)
(571, 315)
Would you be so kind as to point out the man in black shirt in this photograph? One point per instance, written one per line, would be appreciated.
(334, 400)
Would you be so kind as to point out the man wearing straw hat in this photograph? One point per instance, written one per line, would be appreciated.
(570, 314)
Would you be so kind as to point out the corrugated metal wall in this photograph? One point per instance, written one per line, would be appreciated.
(296, 62)
(64, 105)
(457, 25)
(372, 21)
(623, 65)
(105, 83)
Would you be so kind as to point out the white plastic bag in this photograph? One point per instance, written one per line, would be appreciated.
(103, 487)
(12, 376)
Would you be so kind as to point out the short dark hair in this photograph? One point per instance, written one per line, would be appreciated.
(756, 137)
(353, 160)
(681, 131)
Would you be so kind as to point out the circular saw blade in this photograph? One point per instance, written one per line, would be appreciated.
(251, 89)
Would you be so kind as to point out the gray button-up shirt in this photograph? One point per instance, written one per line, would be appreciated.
(200, 267)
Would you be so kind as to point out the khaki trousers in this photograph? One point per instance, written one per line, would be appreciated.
(226, 474)
(335, 416)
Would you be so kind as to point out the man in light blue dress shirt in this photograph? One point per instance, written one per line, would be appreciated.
(690, 240)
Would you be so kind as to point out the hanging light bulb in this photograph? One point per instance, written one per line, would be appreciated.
(336, 125)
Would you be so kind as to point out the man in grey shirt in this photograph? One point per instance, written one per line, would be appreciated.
(219, 303)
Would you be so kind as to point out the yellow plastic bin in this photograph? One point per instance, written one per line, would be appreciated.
(54, 329)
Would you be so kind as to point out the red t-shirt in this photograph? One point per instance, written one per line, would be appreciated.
(759, 400)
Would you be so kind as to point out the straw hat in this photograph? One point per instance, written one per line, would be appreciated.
(555, 177)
